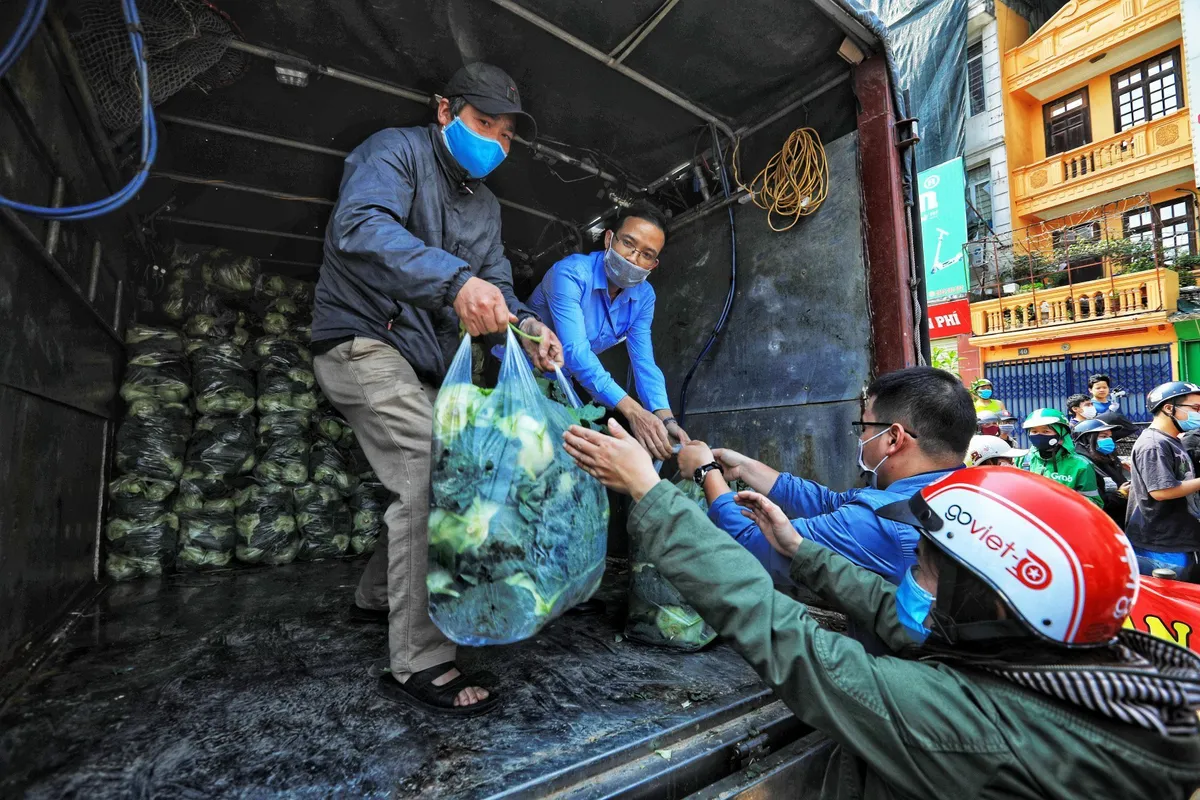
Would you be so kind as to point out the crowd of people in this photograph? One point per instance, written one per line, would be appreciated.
(981, 661)
(1154, 494)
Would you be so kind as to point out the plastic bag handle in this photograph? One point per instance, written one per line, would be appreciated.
(565, 387)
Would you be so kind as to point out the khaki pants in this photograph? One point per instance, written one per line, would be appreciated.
(391, 412)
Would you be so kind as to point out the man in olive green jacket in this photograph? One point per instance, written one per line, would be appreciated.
(904, 728)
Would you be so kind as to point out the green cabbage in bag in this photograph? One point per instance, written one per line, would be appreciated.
(140, 548)
(221, 449)
(142, 339)
(153, 446)
(222, 384)
(207, 534)
(323, 520)
(156, 374)
(368, 503)
(327, 466)
(517, 532)
(266, 525)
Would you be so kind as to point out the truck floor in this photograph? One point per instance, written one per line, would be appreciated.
(252, 683)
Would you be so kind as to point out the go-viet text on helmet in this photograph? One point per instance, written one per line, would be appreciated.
(1057, 560)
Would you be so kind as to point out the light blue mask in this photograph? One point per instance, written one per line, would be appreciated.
(1106, 446)
(913, 605)
(478, 155)
(1191, 423)
(986, 394)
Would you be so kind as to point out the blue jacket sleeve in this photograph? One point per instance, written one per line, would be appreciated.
(727, 515)
(800, 498)
(565, 295)
(852, 531)
(368, 224)
(497, 270)
(651, 384)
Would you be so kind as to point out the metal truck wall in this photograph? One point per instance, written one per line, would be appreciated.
(783, 381)
(59, 362)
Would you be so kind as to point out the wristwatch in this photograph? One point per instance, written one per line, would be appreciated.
(700, 473)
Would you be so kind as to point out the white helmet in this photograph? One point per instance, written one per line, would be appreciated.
(984, 448)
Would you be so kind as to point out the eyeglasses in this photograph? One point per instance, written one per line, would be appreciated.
(647, 258)
(1192, 406)
(860, 426)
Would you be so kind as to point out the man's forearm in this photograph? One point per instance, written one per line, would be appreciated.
(1175, 492)
(628, 406)
(758, 476)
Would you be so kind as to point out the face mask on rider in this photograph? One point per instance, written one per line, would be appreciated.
(872, 472)
(1088, 412)
(913, 604)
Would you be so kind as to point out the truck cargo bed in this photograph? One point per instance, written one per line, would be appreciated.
(253, 683)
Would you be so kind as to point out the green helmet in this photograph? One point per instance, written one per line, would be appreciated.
(979, 383)
(1045, 416)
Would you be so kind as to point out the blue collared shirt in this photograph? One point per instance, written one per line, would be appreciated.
(845, 522)
(573, 300)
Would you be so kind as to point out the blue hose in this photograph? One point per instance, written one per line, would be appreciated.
(26, 28)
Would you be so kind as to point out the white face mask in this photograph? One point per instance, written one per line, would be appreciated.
(873, 472)
(1088, 412)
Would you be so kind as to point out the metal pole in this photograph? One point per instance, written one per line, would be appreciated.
(538, 147)
(239, 187)
(245, 134)
(54, 227)
(117, 306)
(289, 59)
(612, 63)
(626, 47)
(224, 226)
(94, 272)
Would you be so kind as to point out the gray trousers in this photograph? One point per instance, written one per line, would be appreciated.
(391, 411)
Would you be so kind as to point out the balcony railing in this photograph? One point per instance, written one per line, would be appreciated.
(1150, 149)
(1079, 32)
(1105, 299)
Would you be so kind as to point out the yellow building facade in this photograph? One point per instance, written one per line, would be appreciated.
(1102, 184)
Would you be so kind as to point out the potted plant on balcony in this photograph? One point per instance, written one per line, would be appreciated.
(1185, 265)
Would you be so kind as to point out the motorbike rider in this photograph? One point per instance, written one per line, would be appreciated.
(1019, 680)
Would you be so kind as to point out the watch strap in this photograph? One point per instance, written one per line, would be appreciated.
(701, 472)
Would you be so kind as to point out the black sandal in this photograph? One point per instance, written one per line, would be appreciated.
(420, 692)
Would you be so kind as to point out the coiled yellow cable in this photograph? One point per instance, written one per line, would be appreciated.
(794, 183)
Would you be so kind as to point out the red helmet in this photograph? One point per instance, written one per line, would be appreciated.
(1056, 559)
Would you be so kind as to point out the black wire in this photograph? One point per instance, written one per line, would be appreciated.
(716, 331)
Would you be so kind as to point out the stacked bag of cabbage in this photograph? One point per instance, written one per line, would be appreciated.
(141, 531)
(517, 532)
(267, 532)
(658, 614)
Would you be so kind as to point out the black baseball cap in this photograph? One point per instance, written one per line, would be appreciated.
(492, 91)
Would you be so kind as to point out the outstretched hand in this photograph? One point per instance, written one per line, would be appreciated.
(617, 461)
(771, 520)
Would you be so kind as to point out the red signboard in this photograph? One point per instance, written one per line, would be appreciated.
(950, 319)
(1169, 610)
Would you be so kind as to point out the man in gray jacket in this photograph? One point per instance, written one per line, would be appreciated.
(412, 249)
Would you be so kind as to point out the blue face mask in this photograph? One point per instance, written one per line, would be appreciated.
(986, 394)
(1008, 430)
(1191, 423)
(478, 155)
(1106, 446)
(913, 605)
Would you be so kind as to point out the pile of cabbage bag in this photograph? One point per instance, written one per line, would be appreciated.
(517, 532)
(142, 529)
(658, 614)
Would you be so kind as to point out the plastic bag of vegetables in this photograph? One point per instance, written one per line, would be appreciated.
(279, 317)
(323, 520)
(280, 352)
(157, 374)
(207, 534)
(328, 467)
(153, 445)
(289, 389)
(658, 614)
(143, 339)
(221, 449)
(283, 448)
(136, 497)
(330, 426)
(266, 525)
(368, 503)
(517, 532)
(221, 382)
(140, 548)
(230, 275)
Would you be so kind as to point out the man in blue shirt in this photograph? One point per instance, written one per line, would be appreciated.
(601, 299)
(916, 426)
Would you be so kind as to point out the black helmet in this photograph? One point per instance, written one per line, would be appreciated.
(1091, 426)
(1167, 392)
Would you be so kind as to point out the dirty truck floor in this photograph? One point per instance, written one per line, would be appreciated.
(252, 683)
